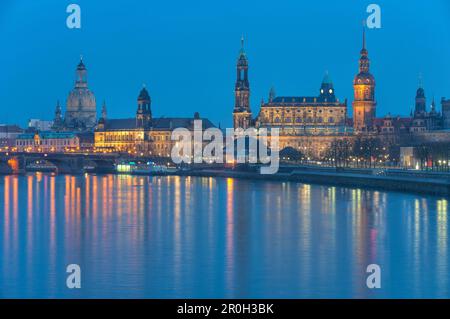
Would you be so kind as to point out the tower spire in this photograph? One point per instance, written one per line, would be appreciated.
(364, 36)
(242, 114)
(364, 104)
(242, 50)
(104, 112)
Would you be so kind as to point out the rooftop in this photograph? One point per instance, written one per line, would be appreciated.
(162, 123)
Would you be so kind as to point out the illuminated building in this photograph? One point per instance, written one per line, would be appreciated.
(47, 142)
(242, 115)
(364, 105)
(311, 124)
(143, 134)
(305, 115)
(307, 123)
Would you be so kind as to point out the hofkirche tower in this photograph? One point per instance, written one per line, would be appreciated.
(364, 105)
(242, 115)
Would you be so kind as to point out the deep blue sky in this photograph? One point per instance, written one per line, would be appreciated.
(185, 51)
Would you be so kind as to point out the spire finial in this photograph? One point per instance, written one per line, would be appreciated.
(420, 81)
(242, 42)
(272, 94)
(364, 34)
(326, 78)
(104, 111)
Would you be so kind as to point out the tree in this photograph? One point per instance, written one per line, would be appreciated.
(290, 154)
(339, 152)
(369, 151)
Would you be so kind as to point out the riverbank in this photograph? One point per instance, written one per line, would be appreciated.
(421, 182)
(391, 180)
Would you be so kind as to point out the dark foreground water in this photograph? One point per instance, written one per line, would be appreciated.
(185, 237)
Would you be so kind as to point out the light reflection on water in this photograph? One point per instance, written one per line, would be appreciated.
(205, 237)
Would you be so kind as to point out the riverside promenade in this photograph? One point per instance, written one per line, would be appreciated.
(430, 183)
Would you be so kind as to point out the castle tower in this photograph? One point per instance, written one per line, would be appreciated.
(364, 105)
(420, 106)
(144, 113)
(242, 115)
(81, 112)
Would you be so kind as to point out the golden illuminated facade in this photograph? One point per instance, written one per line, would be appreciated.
(320, 115)
(141, 135)
(308, 124)
(44, 142)
(364, 105)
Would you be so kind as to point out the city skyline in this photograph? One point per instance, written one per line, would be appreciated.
(222, 157)
(201, 94)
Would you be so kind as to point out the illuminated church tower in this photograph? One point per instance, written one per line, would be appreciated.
(242, 115)
(364, 105)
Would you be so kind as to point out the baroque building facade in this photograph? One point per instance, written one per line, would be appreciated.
(311, 124)
(142, 134)
(44, 142)
(307, 123)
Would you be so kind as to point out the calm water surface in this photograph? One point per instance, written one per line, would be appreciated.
(183, 237)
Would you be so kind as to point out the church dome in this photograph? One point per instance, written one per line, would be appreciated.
(81, 111)
(81, 100)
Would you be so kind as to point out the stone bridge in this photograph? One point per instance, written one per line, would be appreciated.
(65, 163)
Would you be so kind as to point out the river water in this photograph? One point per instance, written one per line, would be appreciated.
(192, 237)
